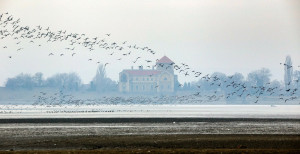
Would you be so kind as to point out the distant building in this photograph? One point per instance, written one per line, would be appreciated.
(159, 80)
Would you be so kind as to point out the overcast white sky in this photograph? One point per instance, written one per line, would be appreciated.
(225, 36)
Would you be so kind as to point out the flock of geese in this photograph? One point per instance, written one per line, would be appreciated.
(61, 98)
(238, 92)
(11, 27)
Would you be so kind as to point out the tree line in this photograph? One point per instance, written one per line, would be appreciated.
(66, 81)
(102, 83)
(220, 82)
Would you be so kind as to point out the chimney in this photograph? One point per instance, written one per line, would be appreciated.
(152, 67)
(132, 67)
(141, 67)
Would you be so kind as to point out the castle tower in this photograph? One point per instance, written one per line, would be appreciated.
(165, 64)
(166, 78)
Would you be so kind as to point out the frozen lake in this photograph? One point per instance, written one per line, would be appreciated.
(149, 111)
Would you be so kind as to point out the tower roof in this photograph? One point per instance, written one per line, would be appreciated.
(165, 59)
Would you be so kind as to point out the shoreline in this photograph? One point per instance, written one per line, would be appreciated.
(142, 120)
(150, 111)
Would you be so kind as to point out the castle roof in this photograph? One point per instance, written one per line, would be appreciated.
(142, 72)
(165, 59)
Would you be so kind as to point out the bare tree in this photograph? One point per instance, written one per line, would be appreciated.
(38, 79)
(288, 72)
(101, 82)
(67, 81)
(297, 78)
(20, 81)
(260, 77)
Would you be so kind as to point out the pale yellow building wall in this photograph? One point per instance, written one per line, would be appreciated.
(140, 84)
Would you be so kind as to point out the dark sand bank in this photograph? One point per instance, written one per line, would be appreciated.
(214, 143)
(145, 135)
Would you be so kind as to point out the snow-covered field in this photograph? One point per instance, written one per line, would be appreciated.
(152, 111)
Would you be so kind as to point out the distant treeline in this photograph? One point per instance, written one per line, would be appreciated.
(235, 85)
(216, 82)
(65, 81)
(220, 81)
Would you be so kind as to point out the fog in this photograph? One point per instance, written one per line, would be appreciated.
(210, 36)
(66, 53)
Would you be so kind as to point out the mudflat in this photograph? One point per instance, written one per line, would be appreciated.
(145, 136)
(179, 143)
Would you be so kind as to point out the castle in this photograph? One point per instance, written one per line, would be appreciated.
(159, 80)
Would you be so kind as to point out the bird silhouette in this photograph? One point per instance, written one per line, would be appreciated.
(19, 49)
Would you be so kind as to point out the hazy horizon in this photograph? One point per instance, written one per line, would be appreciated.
(210, 36)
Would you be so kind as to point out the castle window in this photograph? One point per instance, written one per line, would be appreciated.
(123, 78)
